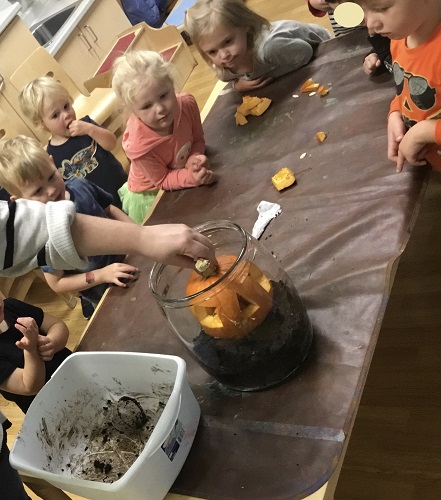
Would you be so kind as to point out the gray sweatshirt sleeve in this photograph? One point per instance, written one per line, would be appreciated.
(33, 234)
(290, 45)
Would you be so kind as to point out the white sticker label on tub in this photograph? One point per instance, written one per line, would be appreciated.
(173, 442)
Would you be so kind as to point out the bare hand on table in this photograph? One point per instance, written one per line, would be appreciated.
(243, 85)
(114, 273)
(395, 133)
(414, 145)
(196, 162)
(198, 165)
(371, 63)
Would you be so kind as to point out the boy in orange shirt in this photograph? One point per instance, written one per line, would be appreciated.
(414, 128)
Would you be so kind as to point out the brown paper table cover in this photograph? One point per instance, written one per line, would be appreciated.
(344, 224)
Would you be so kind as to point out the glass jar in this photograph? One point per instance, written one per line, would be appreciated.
(246, 326)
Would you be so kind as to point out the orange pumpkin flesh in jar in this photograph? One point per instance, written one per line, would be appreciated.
(241, 303)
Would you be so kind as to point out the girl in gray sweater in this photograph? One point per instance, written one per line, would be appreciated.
(246, 48)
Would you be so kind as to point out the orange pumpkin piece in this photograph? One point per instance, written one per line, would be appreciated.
(240, 118)
(239, 305)
(322, 90)
(261, 107)
(306, 84)
(248, 103)
(311, 88)
(283, 179)
(321, 136)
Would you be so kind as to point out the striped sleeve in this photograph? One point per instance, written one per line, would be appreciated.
(33, 234)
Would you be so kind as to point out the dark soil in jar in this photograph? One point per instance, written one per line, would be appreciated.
(265, 356)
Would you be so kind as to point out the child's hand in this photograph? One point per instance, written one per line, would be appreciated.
(79, 127)
(322, 5)
(196, 162)
(395, 133)
(116, 272)
(178, 245)
(413, 147)
(46, 348)
(243, 85)
(371, 63)
(204, 176)
(28, 327)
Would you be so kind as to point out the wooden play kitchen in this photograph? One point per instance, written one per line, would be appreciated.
(244, 322)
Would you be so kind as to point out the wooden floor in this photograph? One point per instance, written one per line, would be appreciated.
(395, 449)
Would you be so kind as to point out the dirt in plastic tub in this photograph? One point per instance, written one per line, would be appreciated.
(99, 442)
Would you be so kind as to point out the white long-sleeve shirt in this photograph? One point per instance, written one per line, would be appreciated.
(33, 234)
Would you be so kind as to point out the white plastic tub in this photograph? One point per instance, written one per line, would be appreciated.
(55, 431)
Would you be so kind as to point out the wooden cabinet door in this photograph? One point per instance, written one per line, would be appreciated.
(102, 24)
(16, 44)
(78, 57)
(11, 122)
(90, 41)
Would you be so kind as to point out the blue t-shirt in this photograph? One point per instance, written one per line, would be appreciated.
(82, 156)
(90, 199)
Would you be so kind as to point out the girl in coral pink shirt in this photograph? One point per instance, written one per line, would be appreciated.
(163, 140)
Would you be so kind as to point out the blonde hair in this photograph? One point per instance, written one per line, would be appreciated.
(134, 69)
(206, 16)
(36, 93)
(22, 160)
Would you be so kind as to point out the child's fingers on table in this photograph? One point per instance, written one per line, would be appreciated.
(262, 82)
(121, 279)
(400, 161)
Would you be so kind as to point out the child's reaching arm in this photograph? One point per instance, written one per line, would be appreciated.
(115, 213)
(30, 379)
(55, 338)
(173, 244)
(113, 273)
(105, 138)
